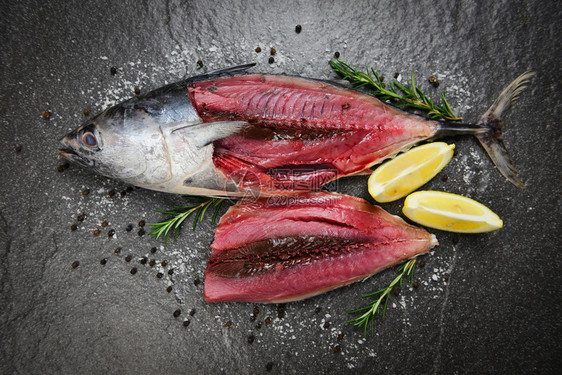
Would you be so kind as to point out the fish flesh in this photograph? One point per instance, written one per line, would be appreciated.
(229, 133)
(286, 248)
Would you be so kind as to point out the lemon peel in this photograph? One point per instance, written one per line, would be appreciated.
(408, 171)
(450, 212)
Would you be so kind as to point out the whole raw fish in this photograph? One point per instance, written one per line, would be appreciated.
(228, 133)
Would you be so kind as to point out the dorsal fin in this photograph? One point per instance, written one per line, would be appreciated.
(222, 72)
(233, 69)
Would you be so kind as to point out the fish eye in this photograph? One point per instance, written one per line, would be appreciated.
(89, 139)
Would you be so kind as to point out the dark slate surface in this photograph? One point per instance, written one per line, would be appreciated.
(498, 312)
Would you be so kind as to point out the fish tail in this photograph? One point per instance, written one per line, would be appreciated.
(493, 120)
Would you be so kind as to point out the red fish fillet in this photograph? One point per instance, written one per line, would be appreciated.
(288, 248)
(305, 133)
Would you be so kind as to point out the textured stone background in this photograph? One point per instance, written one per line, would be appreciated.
(498, 312)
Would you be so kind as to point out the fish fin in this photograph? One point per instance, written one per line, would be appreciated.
(222, 72)
(205, 133)
(232, 69)
(493, 119)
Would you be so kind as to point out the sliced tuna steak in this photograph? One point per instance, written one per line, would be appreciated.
(288, 248)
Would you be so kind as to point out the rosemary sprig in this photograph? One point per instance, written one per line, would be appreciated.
(179, 215)
(408, 95)
(374, 307)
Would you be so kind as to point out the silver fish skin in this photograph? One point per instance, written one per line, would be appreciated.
(161, 141)
(156, 141)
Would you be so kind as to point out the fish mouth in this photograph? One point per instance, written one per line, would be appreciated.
(69, 154)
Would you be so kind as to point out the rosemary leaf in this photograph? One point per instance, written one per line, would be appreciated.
(180, 214)
(373, 307)
(408, 95)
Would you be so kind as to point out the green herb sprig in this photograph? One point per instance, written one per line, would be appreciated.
(179, 215)
(408, 95)
(374, 307)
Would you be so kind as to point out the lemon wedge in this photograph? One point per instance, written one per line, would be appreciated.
(407, 172)
(450, 212)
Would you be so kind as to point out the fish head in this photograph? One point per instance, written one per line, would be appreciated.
(124, 143)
